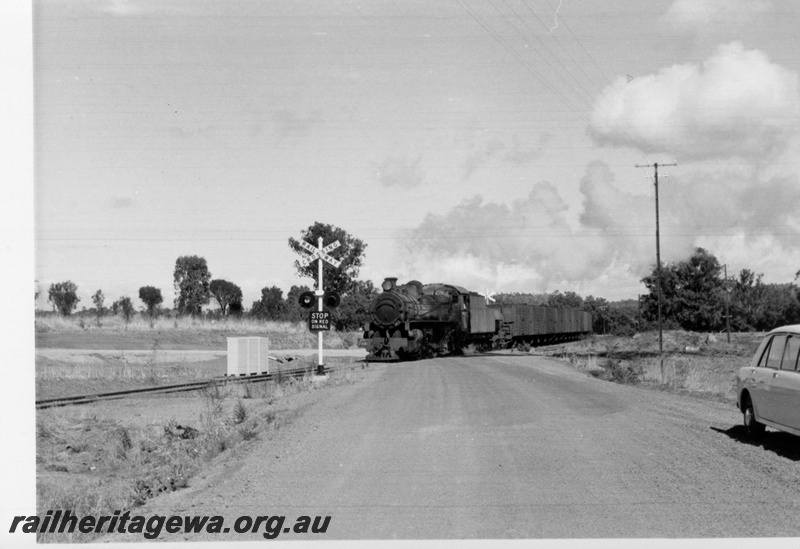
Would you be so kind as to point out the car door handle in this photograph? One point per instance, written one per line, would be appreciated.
(774, 374)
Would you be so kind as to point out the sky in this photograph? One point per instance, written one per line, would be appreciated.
(489, 144)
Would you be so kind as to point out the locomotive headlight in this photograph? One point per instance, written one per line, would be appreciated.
(388, 284)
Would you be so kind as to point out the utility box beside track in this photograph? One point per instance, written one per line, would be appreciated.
(248, 356)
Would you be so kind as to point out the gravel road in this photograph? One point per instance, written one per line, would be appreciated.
(505, 447)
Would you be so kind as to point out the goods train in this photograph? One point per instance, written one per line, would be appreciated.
(413, 320)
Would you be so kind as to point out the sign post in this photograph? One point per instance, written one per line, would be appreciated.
(321, 318)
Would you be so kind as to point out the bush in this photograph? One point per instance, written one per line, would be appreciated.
(614, 370)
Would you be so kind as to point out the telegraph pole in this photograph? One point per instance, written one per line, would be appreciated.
(658, 265)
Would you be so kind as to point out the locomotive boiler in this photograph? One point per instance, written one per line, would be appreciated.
(413, 320)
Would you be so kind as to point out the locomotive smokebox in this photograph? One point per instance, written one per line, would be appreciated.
(387, 309)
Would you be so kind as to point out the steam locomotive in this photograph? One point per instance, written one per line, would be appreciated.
(413, 320)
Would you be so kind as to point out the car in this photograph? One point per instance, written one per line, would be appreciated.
(768, 390)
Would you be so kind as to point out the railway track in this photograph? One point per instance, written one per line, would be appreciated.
(176, 388)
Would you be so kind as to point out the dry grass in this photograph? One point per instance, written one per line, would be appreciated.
(111, 368)
(141, 323)
(104, 373)
(713, 376)
(100, 458)
(114, 369)
(693, 363)
(177, 333)
(94, 465)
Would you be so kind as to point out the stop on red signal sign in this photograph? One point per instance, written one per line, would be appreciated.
(319, 321)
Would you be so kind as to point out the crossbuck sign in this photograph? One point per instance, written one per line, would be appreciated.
(321, 254)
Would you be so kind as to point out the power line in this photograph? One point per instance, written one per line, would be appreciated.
(624, 127)
(519, 59)
(643, 141)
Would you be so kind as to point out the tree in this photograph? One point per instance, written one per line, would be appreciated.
(225, 293)
(601, 314)
(746, 301)
(235, 308)
(780, 307)
(623, 318)
(270, 306)
(350, 253)
(294, 312)
(758, 306)
(151, 297)
(125, 306)
(98, 299)
(354, 310)
(566, 300)
(192, 281)
(692, 293)
(521, 298)
(64, 297)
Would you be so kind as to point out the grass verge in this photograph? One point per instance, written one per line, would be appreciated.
(90, 462)
(177, 333)
(696, 364)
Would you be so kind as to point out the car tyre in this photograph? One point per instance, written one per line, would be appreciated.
(754, 428)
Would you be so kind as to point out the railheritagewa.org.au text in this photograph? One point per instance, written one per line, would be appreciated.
(151, 527)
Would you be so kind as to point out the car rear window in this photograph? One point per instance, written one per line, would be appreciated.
(776, 351)
(790, 354)
(760, 358)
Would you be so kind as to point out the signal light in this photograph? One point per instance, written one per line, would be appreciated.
(331, 299)
(307, 299)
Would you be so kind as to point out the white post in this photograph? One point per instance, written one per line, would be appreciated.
(320, 293)
(320, 254)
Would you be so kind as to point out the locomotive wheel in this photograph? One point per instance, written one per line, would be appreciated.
(427, 351)
(405, 356)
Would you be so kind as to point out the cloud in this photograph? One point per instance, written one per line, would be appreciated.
(289, 124)
(118, 7)
(498, 150)
(123, 202)
(481, 157)
(527, 237)
(125, 8)
(737, 103)
(722, 204)
(520, 155)
(533, 245)
(701, 14)
(400, 171)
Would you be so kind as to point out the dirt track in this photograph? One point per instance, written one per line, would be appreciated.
(506, 446)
